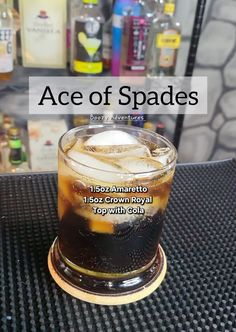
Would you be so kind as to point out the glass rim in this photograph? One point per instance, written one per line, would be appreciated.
(117, 126)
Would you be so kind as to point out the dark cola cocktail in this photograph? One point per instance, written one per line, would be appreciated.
(113, 189)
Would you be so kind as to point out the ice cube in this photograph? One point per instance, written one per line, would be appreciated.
(163, 155)
(119, 151)
(158, 204)
(92, 167)
(111, 137)
(140, 165)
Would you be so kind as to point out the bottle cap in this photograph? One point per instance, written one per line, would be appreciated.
(169, 8)
(14, 132)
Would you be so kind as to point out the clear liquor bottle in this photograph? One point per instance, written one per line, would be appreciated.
(164, 42)
(6, 41)
(87, 32)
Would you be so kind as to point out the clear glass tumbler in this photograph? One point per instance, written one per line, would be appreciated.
(113, 188)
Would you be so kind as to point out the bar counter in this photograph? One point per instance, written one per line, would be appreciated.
(198, 293)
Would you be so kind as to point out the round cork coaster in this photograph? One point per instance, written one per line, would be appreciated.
(111, 299)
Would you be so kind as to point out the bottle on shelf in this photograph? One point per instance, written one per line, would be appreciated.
(80, 120)
(87, 32)
(16, 30)
(164, 42)
(15, 146)
(4, 151)
(151, 7)
(7, 123)
(169, 7)
(74, 6)
(106, 8)
(159, 9)
(68, 29)
(134, 41)
(160, 128)
(121, 9)
(107, 44)
(17, 156)
(149, 125)
(6, 41)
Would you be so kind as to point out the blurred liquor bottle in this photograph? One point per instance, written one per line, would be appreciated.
(106, 8)
(15, 146)
(18, 160)
(7, 122)
(152, 7)
(6, 41)
(72, 12)
(87, 32)
(8, 133)
(149, 126)
(121, 9)
(107, 44)
(164, 42)
(134, 41)
(74, 7)
(80, 120)
(68, 29)
(4, 151)
(107, 38)
(43, 33)
(160, 128)
(16, 37)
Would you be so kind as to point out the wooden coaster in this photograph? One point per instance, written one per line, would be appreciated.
(118, 299)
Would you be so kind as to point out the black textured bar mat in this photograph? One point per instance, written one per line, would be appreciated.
(198, 294)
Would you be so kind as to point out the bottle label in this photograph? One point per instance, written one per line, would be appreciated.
(16, 152)
(168, 42)
(169, 8)
(168, 39)
(15, 144)
(88, 47)
(88, 67)
(6, 53)
(92, 2)
(136, 31)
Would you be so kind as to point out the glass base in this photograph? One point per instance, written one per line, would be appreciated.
(106, 290)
